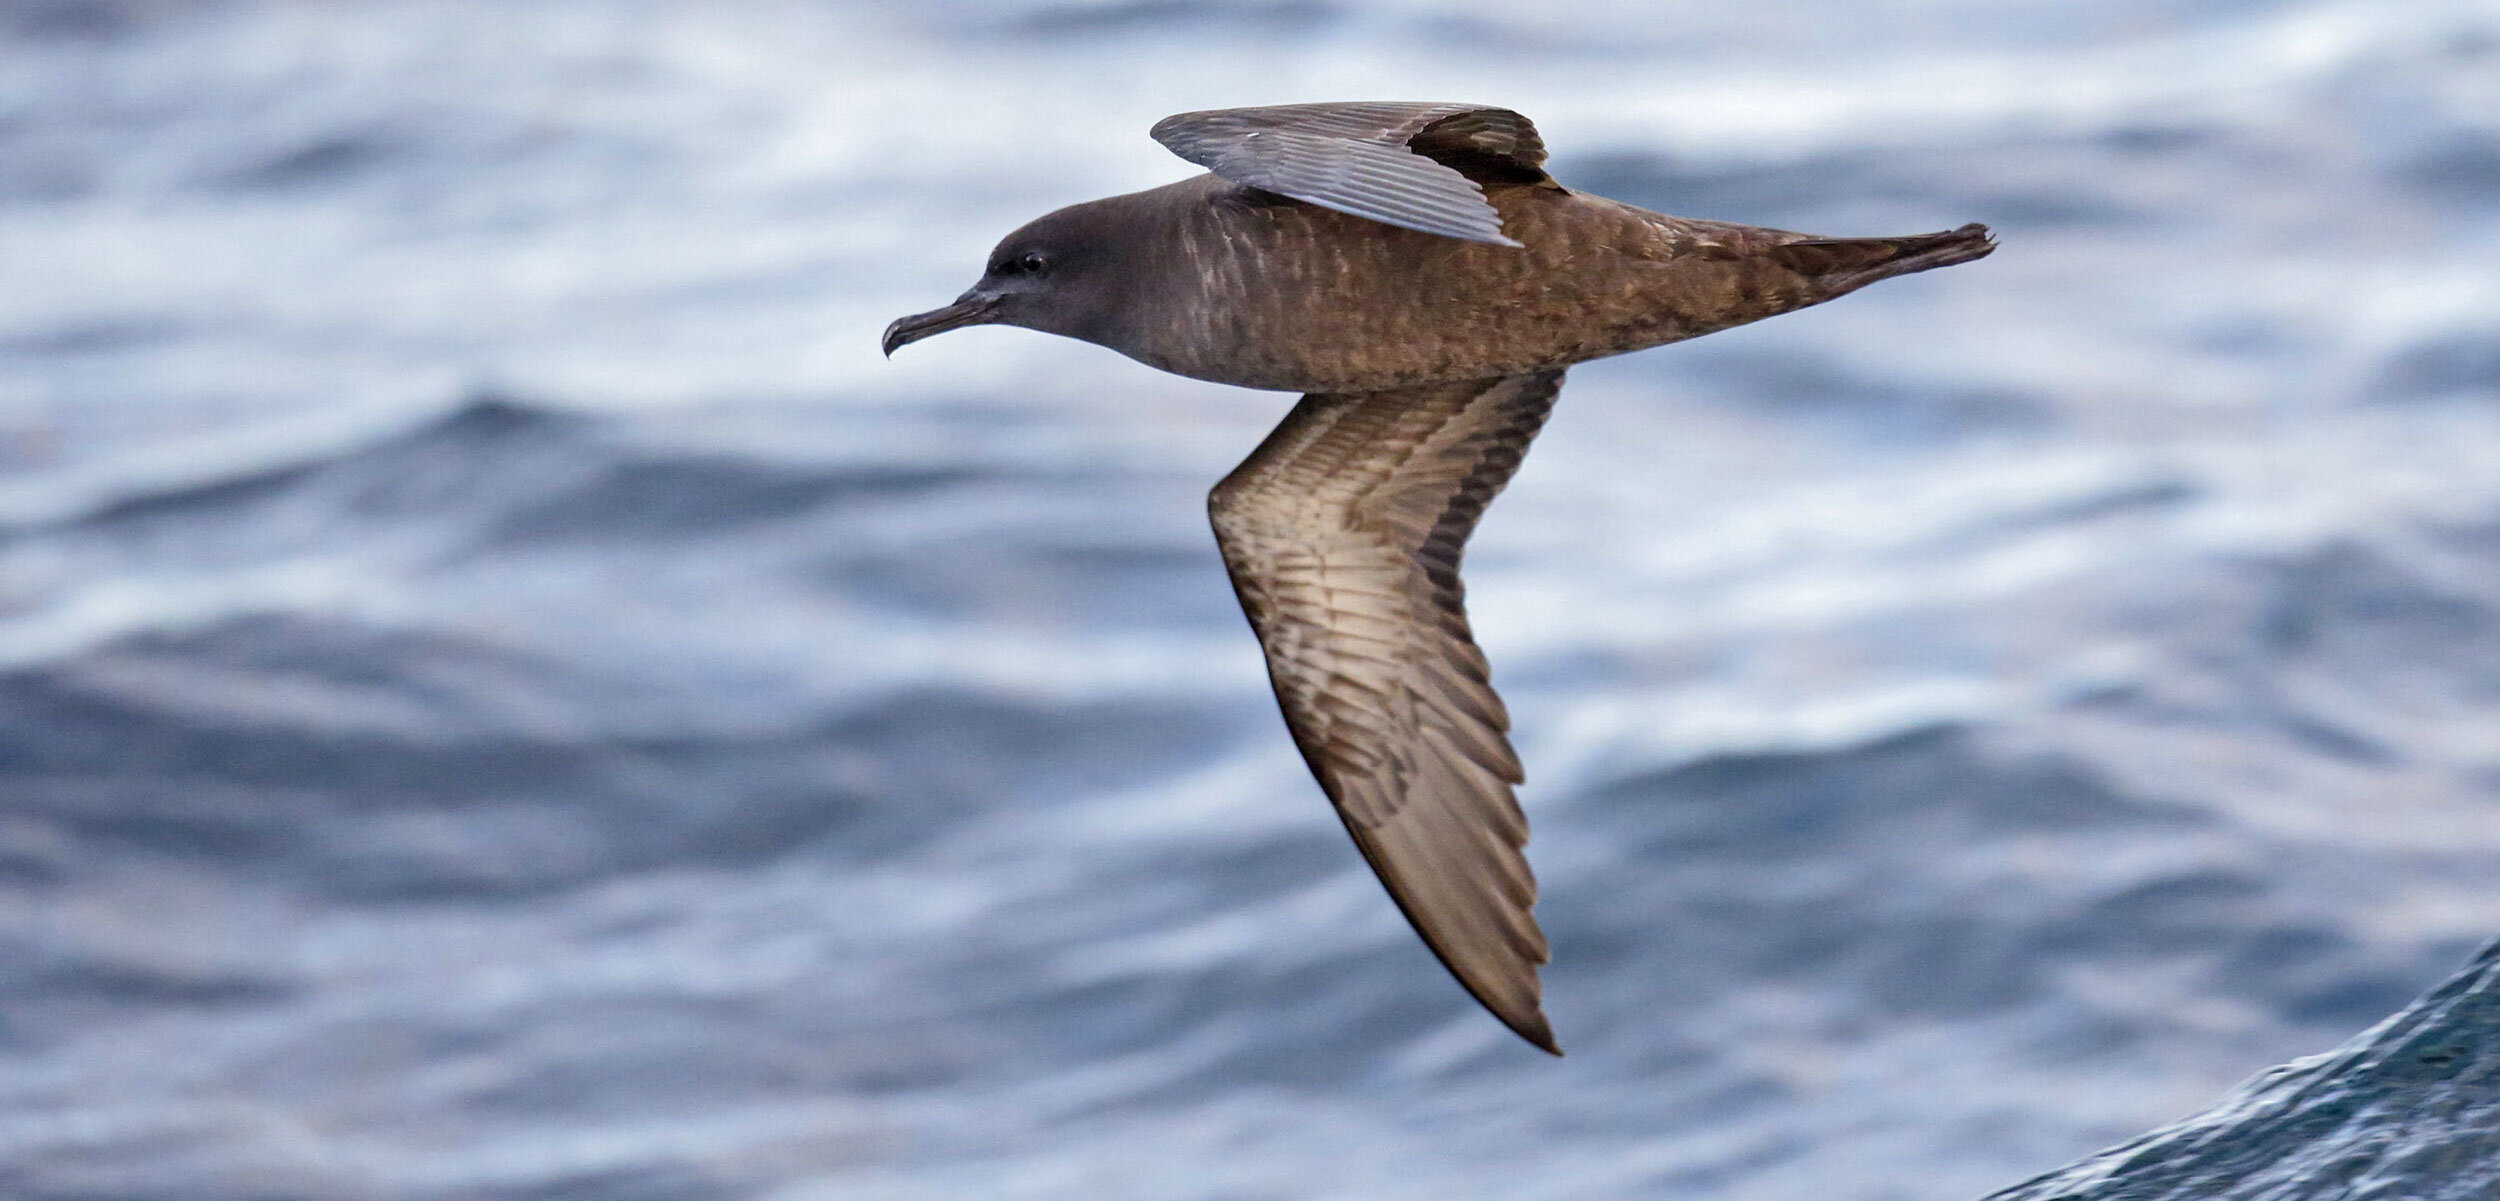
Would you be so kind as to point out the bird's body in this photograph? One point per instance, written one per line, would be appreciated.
(1413, 270)
(1240, 286)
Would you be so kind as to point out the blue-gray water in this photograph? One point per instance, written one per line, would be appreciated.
(503, 694)
(2408, 1111)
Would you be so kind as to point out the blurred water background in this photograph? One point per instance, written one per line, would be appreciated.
(503, 693)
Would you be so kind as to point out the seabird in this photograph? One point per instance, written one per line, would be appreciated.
(1412, 270)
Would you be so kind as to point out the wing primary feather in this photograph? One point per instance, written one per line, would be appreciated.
(1418, 166)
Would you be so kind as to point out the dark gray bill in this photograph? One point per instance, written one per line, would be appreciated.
(969, 309)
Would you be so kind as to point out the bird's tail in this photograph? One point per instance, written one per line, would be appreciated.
(1847, 264)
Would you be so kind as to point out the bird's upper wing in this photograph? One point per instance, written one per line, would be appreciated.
(1343, 532)
(1420, 166)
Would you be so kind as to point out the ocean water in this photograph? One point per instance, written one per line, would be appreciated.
(504, 694)
(2408, 1109)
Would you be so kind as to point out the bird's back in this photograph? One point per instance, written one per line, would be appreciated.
(1267, 292)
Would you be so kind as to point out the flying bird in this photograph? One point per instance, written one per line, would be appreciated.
(1413, 270)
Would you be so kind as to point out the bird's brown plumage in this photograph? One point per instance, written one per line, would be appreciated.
(1413, 269)
(1343, 532)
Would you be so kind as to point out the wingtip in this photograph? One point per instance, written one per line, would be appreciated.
(1533, 1027)
(1163, 130)
(1488, 231)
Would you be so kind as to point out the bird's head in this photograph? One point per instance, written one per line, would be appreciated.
(1056, 275)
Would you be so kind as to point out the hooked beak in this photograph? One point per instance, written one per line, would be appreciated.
(971, 308)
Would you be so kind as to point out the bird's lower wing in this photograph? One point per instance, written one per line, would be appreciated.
(1343, 533)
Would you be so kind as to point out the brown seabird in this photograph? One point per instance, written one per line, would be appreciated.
(1414, 271)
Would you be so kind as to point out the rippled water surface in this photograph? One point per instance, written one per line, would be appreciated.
(504, 694)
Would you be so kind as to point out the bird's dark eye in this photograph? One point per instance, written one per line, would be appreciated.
(1031, 263)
